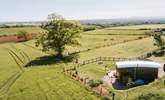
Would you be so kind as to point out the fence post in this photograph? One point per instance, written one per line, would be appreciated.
(113, 96)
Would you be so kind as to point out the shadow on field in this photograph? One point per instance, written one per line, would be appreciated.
(48, 60)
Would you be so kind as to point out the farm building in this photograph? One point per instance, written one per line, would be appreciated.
(137, 70)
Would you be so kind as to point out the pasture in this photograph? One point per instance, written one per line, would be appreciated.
(128, 50)
(43, 77)
(113, 31)
(39, 82)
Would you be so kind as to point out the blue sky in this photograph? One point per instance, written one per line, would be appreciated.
(34, 10)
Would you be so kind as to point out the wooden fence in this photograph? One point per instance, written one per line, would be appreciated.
(141, 57)
(98, 59)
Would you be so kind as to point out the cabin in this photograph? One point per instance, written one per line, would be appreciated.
(137, 70)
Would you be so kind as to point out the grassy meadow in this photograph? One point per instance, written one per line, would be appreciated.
(128, 50)
(40, 82)
(113, 31)
(43, 77)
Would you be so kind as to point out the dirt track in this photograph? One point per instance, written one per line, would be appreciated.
(5, 39)
(15, 38)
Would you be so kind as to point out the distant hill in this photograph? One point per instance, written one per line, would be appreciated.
(132, 20)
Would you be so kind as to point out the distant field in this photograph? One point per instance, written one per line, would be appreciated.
(97, 38)
(109, 31)
(150, 26)
(93, 41)
(129, 49)
(11, 31)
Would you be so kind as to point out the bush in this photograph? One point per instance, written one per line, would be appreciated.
(89, 28)
(140, 37)
(158, 53)
(148, 55)
(22, 34)
(95, 83)
(144, 29)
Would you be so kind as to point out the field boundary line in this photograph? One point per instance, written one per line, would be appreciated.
(107, 45)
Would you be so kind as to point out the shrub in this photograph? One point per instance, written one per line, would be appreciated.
(90, 28)
(22, 34)
(140, 37)
(144, 29)
(95, 83)
(158, 53)
(148, 55)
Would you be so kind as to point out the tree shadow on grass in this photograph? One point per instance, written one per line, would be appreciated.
(51, 59)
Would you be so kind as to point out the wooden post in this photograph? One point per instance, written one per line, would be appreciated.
(113, 96)
(101, 90)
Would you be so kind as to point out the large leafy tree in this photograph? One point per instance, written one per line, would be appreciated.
(60, 32)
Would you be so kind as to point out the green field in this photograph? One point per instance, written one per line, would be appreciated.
(11, 31)
(111, 31)
(149, 26)
(38, 82)
(94, 41)
(128, 50)
(44, 79)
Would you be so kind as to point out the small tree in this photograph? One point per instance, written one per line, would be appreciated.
(22, 34)
(60, 33)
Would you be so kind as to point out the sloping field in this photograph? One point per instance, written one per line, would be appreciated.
(43, 78)
(47, 84)
(11, 31)
(38, 82)
(8, 67)
(129, 49)
(94, 41)
(150, 26)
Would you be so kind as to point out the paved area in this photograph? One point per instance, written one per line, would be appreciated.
(110, 79)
